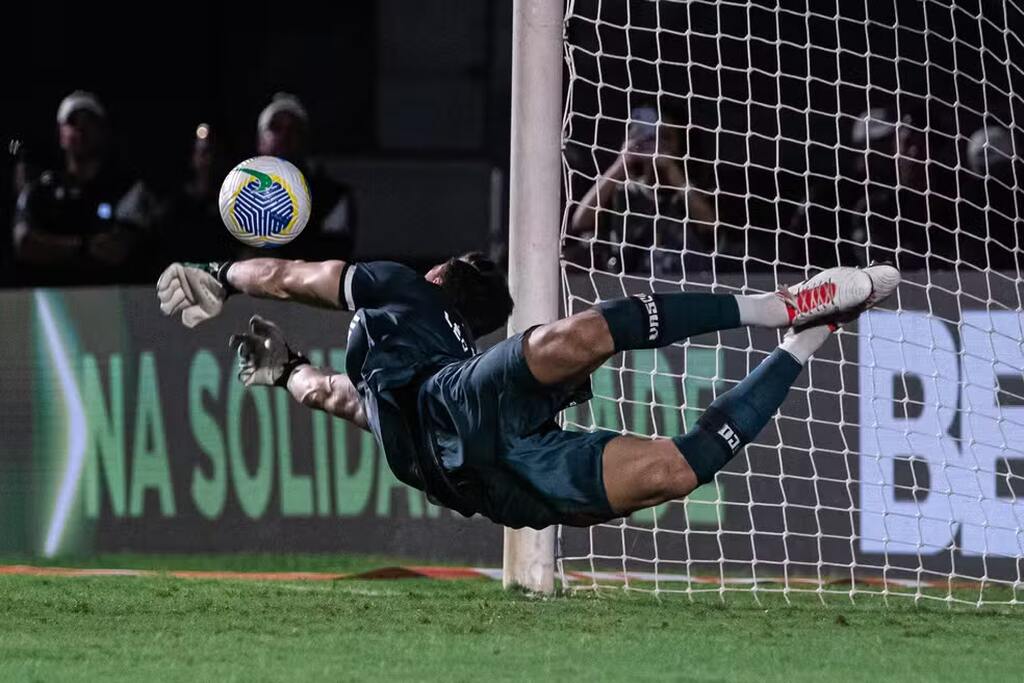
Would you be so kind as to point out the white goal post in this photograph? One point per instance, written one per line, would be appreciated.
(534, 214)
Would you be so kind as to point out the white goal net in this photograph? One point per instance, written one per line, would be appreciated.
(728, 146)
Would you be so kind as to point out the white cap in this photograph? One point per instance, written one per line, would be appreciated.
(988, 147)
(282, 102)
(875, 124)
(79, 99)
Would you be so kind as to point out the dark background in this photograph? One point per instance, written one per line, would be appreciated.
(769, 92)
(410, 101)
(390, 78)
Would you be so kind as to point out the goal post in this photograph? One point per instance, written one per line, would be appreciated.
(534, 217)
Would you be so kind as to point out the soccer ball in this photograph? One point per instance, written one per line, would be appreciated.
(264, 202)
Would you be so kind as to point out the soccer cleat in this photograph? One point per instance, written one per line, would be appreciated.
(884, 281)
(827, 296)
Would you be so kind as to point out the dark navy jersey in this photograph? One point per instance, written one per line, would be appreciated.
(403, 331)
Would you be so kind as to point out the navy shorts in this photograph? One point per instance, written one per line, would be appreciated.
(492, 426)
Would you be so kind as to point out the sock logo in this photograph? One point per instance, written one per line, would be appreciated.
(653, 320)
(730, 436)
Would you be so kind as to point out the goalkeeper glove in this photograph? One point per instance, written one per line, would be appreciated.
(264, 357)
(197, 290)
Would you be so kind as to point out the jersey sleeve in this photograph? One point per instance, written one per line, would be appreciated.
(374, 284)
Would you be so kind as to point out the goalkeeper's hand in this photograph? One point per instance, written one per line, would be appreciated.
(196, 290)
(264, 357)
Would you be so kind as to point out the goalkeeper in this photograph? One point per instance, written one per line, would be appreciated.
(477, 431)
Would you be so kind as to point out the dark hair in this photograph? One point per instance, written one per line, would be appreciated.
(479, 292)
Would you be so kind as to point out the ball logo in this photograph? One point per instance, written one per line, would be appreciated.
(263, 207)
(265, 202)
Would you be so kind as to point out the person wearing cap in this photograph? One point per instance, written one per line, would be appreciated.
(283, 131)
(990, 152)
(888, 202)
(84, 223)
(190, 227)
(988, 199)
(826, 222)
(645, 202)
(904, 212)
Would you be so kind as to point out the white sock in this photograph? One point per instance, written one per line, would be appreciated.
(803, 344)
(763, 310)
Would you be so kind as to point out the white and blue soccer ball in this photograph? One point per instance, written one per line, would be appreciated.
(264, 202)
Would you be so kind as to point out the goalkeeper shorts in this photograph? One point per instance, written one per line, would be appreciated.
(492, 426)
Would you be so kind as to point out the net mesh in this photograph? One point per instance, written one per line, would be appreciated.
(730, 146)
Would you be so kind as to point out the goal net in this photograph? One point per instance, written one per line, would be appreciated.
(729, 146)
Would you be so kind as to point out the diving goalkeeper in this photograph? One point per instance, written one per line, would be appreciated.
(477, 431)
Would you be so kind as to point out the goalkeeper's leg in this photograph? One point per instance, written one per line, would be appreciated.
(570, 349)
(639, 473)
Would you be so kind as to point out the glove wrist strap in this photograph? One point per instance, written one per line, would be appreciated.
(220, 271)
(295, 361)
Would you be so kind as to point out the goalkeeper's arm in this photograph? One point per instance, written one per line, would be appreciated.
(264, 357)
(309, 282)
(333, 393)
(198, 290)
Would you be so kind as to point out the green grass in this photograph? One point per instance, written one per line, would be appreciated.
(235, 562)
(156, 629)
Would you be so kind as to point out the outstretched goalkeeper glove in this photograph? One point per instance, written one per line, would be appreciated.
(264, 357)
(196, 290)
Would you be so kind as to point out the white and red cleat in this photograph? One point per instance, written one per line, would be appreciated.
(884, 281)
(839, 295)
(827, 296)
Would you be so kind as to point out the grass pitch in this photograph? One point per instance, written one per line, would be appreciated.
(156, 629)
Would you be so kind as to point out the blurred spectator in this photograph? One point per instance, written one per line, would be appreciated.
(990, 153)
(283, 128)
(24, 167)
(19, 169)
(643, 216)
(988, 213)
(889, 203)
(12, 181)
(906, 214)
(191, 228)
(890, 160)
(86, 222)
